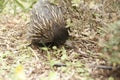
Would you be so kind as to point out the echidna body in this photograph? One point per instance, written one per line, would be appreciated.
(47, 25)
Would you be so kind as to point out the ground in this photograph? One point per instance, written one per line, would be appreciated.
(81, 56)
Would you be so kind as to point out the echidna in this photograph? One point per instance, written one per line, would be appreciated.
(47, 25)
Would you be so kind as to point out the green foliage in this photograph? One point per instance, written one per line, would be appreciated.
(112, 42)
(75, 3)
(16, 6)
(2, 4)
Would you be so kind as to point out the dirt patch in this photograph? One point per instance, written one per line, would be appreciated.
(81, 57)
